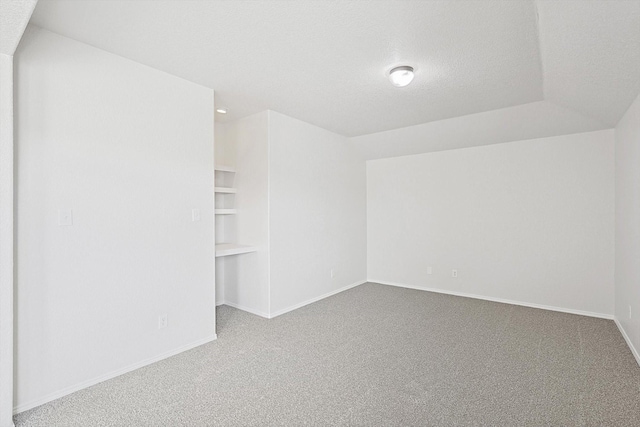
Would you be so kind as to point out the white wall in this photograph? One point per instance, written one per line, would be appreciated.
(301, 199)
(317, 212)
(246, 276)
(130, 151)
(627, 200)
(14, 16)
(529, 221)
(6, 240)
(224, 148)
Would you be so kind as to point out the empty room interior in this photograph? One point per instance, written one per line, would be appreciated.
(319, 212)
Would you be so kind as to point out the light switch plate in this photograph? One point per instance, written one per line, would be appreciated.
(195, 214)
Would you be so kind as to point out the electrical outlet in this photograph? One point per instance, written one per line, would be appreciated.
(429, 270)
(333, 273)
(454, 273)
(163, 321)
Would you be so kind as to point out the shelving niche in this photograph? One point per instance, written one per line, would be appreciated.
(224, 194)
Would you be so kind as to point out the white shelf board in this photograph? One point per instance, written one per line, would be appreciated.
(223, 168)
(225, 211)
(226, 249)
(227, 190)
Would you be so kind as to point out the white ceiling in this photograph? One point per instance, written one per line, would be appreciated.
(324, 62)
(591, 55)
(14, 16)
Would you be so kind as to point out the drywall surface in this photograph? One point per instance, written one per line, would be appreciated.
(127, 151)
(224, 148)
(529, 221)
(246, 276)
(14, 16)
(627, 289)
(521, 122)
(317, 212)
(6, 240)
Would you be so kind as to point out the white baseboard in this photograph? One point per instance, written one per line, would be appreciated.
(247, 309)
(293, 307)
(634, 351)
(505, 301)
(312, 300)
(68, 390)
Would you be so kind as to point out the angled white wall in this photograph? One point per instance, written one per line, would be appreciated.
(129, 151)
(528, 221)
(627, 290)
(317, 213)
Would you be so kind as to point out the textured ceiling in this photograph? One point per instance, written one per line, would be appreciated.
(324, 62)
(14, 16)
(591, 55)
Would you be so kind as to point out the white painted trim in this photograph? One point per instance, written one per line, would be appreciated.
(635, 352)
(501, 300)
(71, 389)
(219, 303)
(268, 253)
(293, 307)
(247, 309)
(312, 300)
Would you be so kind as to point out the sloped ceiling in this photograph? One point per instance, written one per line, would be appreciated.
(14, 16)
(528, 121)
(591, 55)
(324, 62)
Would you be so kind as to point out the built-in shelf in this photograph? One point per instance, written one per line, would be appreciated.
(226, 249)
(223, 168)
(226, 190)
(225, 211)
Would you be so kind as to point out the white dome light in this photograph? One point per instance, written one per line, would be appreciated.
(221, 110)
(401, 76)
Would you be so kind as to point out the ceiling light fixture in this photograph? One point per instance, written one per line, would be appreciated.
(401, 76)
(221, 110)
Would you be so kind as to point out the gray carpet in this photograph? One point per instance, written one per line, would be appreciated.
(377, 356)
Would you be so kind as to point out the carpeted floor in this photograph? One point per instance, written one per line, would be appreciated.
(377, 356)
